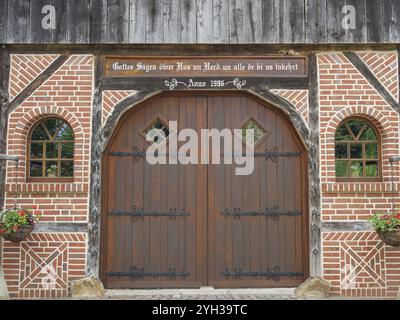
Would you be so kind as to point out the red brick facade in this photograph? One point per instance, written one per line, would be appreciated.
(66, 94)
(355, 263)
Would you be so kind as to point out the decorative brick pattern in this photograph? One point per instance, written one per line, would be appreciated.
(299, 98)
(111, 98)
(384, 66)
(44, 265)
(67, 94)
(359, 264)
(25, 68)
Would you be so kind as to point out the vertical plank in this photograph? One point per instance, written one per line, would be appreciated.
(268, 22)
(3, 21)
(117, 21)
(315, 23)
(154, 22)
(221, 21)
(294, 22)
(188, 18)
(374, 15)
(171, 21)
(204, 19)
(335, 32)
(253, 21)
(279, 9)
(18, 30)
(78, 21)
(236, 21)
(98, 21)
(38, 34)
(359, 34)
(137, 21)
(60, 34)
(391, 17)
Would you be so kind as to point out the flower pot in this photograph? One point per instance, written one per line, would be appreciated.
(392, 238)
(19, 235)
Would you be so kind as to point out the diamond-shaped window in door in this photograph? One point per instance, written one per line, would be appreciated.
(154, 128)
(259, 131)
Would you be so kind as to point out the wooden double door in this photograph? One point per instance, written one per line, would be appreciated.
(176, 225)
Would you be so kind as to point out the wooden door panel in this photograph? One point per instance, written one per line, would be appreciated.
(155, 250)
(206, 247)
(253, 250)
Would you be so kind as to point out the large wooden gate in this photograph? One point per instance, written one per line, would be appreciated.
(176, 225)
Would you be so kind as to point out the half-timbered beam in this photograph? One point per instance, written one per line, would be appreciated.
(35, 84)
(313, 170)
(371, 78)
(4, 107)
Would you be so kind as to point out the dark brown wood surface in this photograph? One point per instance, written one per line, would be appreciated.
(206, 243)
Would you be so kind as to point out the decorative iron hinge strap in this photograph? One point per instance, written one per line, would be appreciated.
(135, 154)
(274, 154)
(272, 273)
(269, 212)
(139, 273)
(140, 213)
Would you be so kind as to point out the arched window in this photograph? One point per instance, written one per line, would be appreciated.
(51, 151)
(357, 151)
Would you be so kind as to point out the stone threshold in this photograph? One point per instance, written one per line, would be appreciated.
(201, 291)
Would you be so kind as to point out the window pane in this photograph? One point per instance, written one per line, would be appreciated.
(67, 168)
(355, 126)
(35, 168)
(52, 125)
(39, 133)
(368, 134)
(65, 133)
(51, 169)
(371, 150)
(343, 134)
(342, 168)
(341, 150)
(371, 168)
(356, 169)
(67, 150)
(36, 150)
(356, 151)
(51, 150)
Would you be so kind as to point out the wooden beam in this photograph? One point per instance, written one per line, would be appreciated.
(373, 81)
(4, 107)
(35, 84)
(285, 106)
(61, 227)
(337, 226)
(93, 251)
(120, 108)
(313, 171)
(154, 84)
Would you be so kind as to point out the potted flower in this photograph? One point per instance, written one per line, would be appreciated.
(388, 227)
(16, 224)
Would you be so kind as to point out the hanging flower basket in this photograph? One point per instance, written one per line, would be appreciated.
(387, 227)
(16, 224)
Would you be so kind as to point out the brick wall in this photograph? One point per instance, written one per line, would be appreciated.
(66, 94)
(358, 263)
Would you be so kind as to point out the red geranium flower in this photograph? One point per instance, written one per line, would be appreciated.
(2, 230)
(21, 213)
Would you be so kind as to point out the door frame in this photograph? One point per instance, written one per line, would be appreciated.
(128, 106)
